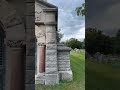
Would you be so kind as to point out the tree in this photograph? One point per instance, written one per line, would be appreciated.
(59, 35)
(81, 10)
(117, 43)
(74, 43)
(96, 41)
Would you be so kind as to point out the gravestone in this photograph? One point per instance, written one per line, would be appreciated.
(53, 59)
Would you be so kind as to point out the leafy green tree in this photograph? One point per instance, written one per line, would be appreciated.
(96, 41)
(117, 43)
(59, 35)
(74, 43)
(81, 10)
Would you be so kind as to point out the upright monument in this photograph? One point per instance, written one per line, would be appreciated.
(53, 60)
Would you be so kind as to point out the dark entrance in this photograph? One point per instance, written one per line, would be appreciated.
(2, 66)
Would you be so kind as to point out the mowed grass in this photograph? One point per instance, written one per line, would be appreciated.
(102, 76)
(78, 67)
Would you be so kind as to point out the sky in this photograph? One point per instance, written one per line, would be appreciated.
(104, 15)
(71, 25)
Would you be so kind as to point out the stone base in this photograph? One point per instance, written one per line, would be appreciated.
(40, 78)
(47, 79)
(66, 75)
(51, 79)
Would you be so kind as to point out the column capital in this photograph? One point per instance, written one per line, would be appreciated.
(15, 43)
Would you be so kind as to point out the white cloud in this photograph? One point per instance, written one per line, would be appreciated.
(71, 25)
(80, 35)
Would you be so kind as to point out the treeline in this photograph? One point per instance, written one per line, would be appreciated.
(96, 41)
(75, 43)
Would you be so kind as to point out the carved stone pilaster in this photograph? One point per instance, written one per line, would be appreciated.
(15, 43)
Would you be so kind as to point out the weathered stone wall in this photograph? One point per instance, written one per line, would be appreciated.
(30, 46)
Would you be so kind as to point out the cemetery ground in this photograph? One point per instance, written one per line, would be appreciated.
(77, 60)
(101, 76)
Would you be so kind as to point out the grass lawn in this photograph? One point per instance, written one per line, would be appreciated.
(78, 68)
(102, 76)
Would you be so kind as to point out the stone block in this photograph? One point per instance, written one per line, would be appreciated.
(51, 58)
(51, 70)
(40, 81)
(50, 36)
(63, 58)
(64, 69)
(50, 29)
(40, 78)
(16, 32)
(52, 41)
(63, 48)
(30, 62)
(51, 65)
(51, 52)
(30, 49)
(66, 75)
(51, 47)
(64, 66)
(30, 87)
(30, 77)
(63, 53)
(30, 22)
(51, 79)
(30, 38)
(50, 17)
(64, 63)
(30, 8)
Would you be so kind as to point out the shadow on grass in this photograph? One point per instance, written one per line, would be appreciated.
(102, 77)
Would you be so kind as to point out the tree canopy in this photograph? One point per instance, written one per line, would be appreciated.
(75, 43)
(81, 10)
(96, 41)
(59, 35)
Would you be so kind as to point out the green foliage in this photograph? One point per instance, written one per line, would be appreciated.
(117, 43)
(81, 10)
(75, 43)
(59, 35)
(96, 41)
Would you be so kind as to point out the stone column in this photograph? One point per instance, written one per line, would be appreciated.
(41, 58)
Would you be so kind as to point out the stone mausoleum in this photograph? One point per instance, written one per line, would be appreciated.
(28, 35)
(52, 58)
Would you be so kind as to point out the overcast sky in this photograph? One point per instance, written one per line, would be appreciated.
(71, 25)
(103, 14)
